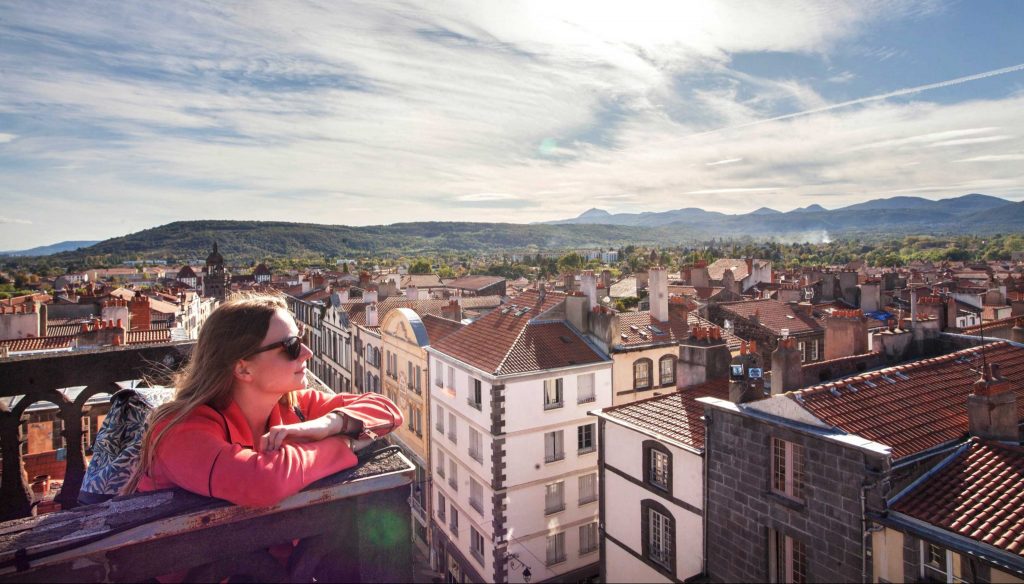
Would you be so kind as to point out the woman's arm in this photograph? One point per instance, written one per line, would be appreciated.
(364, 416)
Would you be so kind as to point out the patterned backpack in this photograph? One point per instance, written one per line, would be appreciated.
(119, 442)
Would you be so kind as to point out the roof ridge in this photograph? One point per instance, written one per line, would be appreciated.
(512, 345)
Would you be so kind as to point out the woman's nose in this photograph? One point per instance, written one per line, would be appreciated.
(306, 353)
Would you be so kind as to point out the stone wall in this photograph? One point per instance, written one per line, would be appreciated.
(741, 507)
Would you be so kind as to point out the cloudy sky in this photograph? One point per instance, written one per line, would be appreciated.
(116, 117)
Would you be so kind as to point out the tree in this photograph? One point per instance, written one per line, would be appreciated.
(420, 267)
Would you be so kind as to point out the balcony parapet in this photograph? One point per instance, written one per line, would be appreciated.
(39, 378)
(142, 536)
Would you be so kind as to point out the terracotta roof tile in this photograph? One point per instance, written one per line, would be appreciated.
(730, 339)
(775, 316)
(474, 282)
(676, 415)
(148, 337)
(912, 407)
(438, 327)
(357, 314)
(640, 328)
(38, 343)
(504, 341)
(978, 494)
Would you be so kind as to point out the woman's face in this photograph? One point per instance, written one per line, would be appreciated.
(274, 371)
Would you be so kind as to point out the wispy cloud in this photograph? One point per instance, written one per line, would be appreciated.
(4, 137)
(12, 221)
(733, 190)
(993, 158)
(724, 161)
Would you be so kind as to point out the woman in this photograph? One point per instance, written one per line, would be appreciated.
(242, 426)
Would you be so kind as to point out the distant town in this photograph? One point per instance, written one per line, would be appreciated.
(734, 411)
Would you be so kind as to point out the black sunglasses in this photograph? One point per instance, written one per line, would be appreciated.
(292, 346)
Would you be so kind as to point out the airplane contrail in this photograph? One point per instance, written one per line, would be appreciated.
(880, 97)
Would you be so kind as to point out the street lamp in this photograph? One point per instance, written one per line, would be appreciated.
(515, 563)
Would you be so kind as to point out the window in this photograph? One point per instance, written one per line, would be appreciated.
(788, 469)
(476, 449)
(787, 558)
(642, 374)
(476, 545)
(453, 474)
(441, 506)
(585, 438)
(667, 370)
(588, 488)
(588, 538)
(418, 386)
(412, 418)
(658, 527)
(453, 525)
(585, 388)
(556, 549)
(453, 433)
(941, 565)
(438, 374)
(658, 471)
(410, 380)
(476, 394)
(803, 354)
(476, 496)
(553, 449)
(440, 462)
(439, 423)
(554, 498)
(419, 422)
(451, 378)
(552, 393)
(814, 350)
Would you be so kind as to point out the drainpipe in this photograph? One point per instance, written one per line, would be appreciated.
(704, 516)
(866, 531)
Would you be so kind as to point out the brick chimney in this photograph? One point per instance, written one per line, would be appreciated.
(787, 370)
(588, 285)
(100, 334)
(746, 376)
(703, 356)
(1017, 333)
(364, 279)
(371, 314)
(453, 311)
(992, 408)
(699, 277)
(846, 334)
(140, 316)
(657, 293)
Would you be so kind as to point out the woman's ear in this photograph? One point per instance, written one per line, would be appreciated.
(241, 370)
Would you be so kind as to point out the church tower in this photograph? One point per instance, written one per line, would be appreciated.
(216, 277)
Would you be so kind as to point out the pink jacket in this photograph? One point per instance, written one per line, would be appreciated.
(213, 453)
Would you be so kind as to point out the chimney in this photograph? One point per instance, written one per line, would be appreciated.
(846, 334)
(364, 279)
(657, 293)
(606, 279)
(787, 370)
(370, 296)
(412, 292)
(913, 307)
(44, 322)
(453, 311)
(1017, 333)
(699, 277)
(542, 291)
(577, 310)
(139, 314)
(371, 314)
(992, 408)
(702, 357)
(588, 285)
(746, 379)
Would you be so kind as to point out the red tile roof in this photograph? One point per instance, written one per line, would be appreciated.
(147, 337)
(676, 415)
(775, 316)
(730, 339)
(640, 328)
(357, 310)
(438, 327)
(38, 343)
(978, 494)
(912, 407)
(474, 282)
(505, 341)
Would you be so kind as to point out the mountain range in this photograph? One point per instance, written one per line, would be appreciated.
(975, 214)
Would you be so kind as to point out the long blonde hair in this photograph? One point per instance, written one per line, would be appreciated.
(233, 331)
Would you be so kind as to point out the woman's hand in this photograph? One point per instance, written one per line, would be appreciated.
(308, 431)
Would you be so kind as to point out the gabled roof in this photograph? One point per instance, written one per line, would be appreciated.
(640, 328)
(731, 340)
(357, 310)
(775, 316)
(676, 415)
(438, 327)
(421, 281)
(738, 266)
(474, 282)
(979, 494)
(508, 341)
(912, 408)
(38, 343)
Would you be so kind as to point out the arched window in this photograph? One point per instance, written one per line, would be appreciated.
(657, 459)
(642, 374)
(667, 370)
(658, 532)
